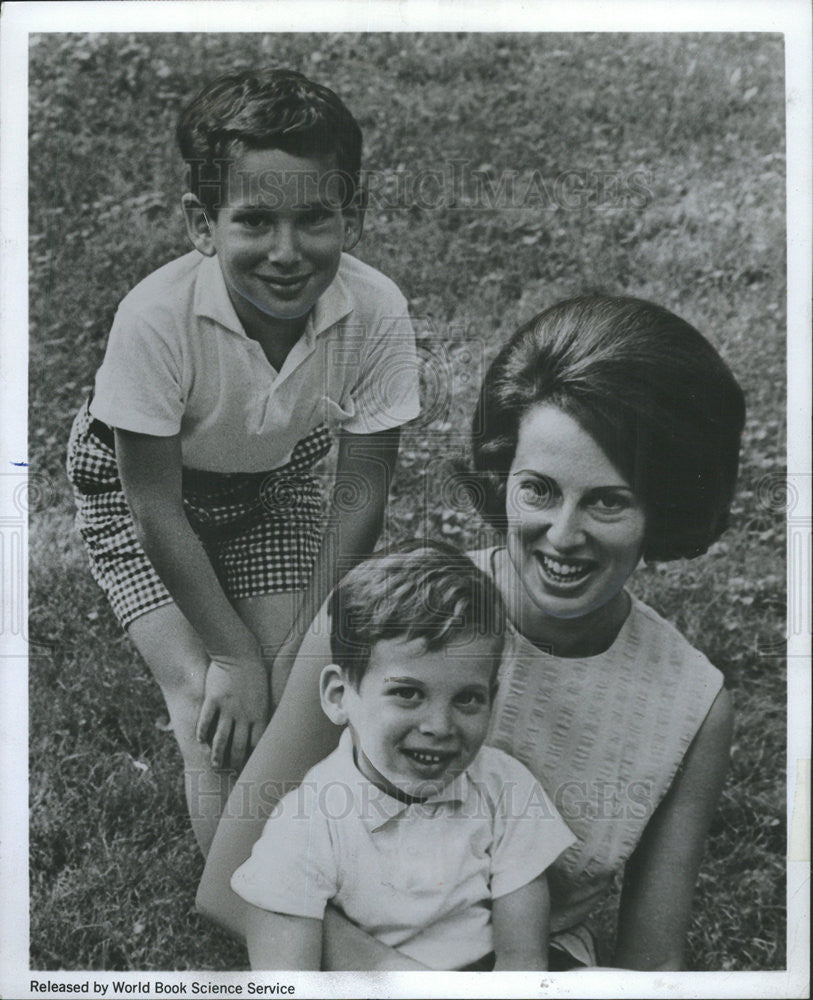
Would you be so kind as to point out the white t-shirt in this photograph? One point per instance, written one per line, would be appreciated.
(420, 877)
(179, 360)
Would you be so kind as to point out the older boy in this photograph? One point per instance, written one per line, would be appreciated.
(224, 371)
(425, 839)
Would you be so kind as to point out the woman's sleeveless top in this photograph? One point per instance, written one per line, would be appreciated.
(605, 736)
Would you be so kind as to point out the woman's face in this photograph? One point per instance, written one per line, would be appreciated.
(575, 527)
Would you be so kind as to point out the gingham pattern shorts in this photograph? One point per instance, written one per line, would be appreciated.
(260, 530)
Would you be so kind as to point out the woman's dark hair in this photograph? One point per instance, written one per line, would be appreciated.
(650, 390)
(265, 109)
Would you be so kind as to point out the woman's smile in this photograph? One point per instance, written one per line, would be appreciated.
(575, 526)
(564, 573)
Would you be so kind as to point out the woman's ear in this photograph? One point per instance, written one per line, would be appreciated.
(198, 225)
(332, 691)
(354, 219)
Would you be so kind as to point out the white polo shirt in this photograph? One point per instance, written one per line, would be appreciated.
(420, 877)
(179, 360)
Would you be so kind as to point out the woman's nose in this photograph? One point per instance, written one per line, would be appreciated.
(565, 529)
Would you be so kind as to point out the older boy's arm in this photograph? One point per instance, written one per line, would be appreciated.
(236, 699)
(280, 941)
(363, 472)
(299, 735)
(520, 925)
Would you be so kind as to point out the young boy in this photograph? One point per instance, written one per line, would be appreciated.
(425, 839)
(224, 373)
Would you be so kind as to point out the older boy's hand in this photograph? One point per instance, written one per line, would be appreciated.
(236, 706)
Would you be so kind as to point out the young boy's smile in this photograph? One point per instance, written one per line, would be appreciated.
(278, 235)
(419, 716)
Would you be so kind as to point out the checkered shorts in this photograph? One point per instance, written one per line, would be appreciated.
(261, 530)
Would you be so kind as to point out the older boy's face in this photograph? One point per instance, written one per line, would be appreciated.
(280, 234)
(419, 717)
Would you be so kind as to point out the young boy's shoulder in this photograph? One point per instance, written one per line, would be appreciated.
(519, 807)
(492, 768)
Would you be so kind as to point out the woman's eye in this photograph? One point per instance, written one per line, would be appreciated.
(611, 503)
(534, 493)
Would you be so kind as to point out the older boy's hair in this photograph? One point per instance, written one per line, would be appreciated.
(427, 590)
(265, 109)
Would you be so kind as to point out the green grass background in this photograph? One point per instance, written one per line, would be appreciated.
(698, 117)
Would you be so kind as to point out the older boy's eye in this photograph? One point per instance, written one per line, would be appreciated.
(315, 216)
(253, 220)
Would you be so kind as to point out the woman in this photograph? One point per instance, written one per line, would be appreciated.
(607, 431)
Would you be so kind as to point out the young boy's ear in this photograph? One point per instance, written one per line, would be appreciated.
(198, 225)
(332, 689)
(354, 219)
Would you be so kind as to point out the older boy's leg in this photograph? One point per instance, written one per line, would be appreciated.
(270, 617)
(178, 661)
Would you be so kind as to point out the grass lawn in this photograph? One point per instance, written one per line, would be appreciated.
(507, 171)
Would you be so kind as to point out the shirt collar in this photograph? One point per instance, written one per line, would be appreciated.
(212, 297)
(332, 305)
(212, 300)
(374, 806)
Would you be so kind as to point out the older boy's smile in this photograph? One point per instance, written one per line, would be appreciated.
(288, 288)
(279, 237)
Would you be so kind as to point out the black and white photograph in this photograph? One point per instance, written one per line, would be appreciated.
(406, 564)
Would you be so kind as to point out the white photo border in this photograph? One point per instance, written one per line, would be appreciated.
(792, 18)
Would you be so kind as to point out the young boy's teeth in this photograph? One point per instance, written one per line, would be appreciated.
(426, 758)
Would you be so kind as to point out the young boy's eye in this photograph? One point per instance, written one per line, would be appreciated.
(471, 699)
(405, 693)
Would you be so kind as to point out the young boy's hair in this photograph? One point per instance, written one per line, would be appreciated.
(265, 109)
(425, 590)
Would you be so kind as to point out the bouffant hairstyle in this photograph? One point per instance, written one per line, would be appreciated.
(266, 109)
(650, 390)
(423, 590)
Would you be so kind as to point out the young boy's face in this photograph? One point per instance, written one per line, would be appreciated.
(419, 717)
(279, 234)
